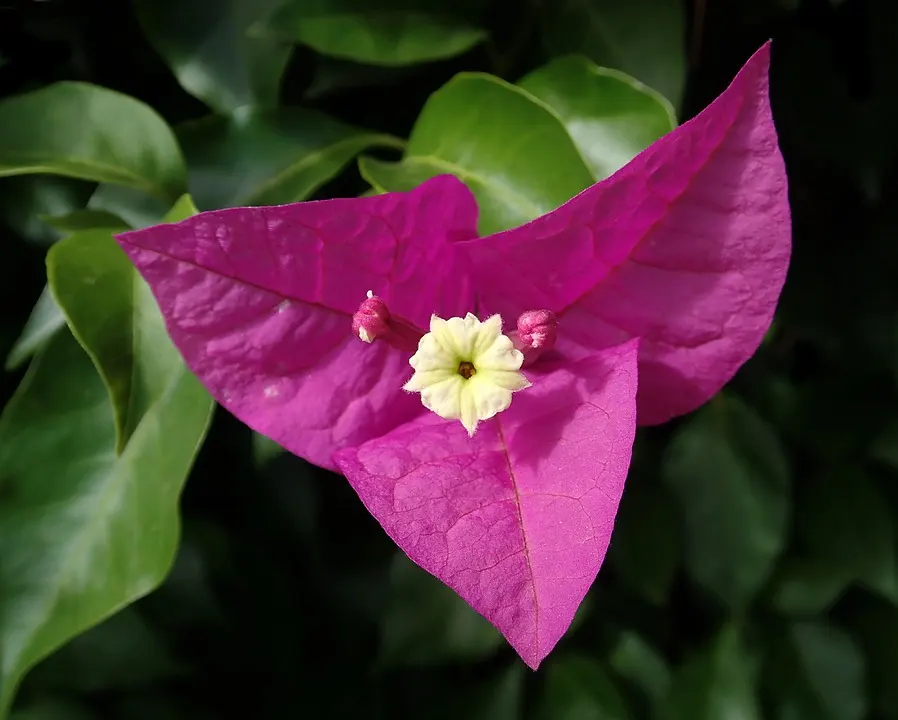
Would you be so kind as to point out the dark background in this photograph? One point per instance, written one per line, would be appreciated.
(285, 601)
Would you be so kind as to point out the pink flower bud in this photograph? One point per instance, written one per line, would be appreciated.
(538, 329)
(372, 319)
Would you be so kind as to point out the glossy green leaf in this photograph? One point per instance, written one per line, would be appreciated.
(45, 320)
(637, 661)
(26, 199)
(137, 209)
(378, 33)
(85, 219)
(116, 139)
(731, 477)
(265, 450)
(508, 147)
(717, 682)
(578, 688)
(259, 157)
(121, 653)
(427, 623)
(833, 667)
(643, 38)
(106, 321)
(333, 75)
(817, 672)
(874, 625)
(646, 548)
(843, 521)
(806, 587)
(89, 522)
(116, 320)
(610, 116)
(83, 530)
(209, 50)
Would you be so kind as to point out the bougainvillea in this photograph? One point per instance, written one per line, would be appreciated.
(664, 277)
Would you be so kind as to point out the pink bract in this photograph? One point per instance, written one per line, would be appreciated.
(260, 300)
(518, 518)
(668, 271)
(686, 248)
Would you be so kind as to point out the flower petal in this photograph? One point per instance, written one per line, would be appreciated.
(518, 518)
(425, 378)
(508, 379)
(686, 247)
(445, 397)
(501, 355)
(490, 331)
(259, 300)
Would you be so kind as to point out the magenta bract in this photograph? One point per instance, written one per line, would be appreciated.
(669, 271)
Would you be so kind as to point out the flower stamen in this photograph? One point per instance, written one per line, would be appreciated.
(466, 370)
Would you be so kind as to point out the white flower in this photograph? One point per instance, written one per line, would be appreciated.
(466, 369)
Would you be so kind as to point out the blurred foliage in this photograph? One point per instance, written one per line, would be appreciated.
(753, 572)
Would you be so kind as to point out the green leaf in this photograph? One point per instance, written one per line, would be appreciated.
(577, 688)
(112, 312)
(45, 320)
(874, 625)
(807, 587)
(491, 698)
(207, 47)
(643, 38)
(729, 472)
(390, 33)
(265, 450)
(427, 623)
(610, 116)
(843, 521)
(89, 519)
(716, 683)
(637, 661)
(85, 220)
(53, 710)
(332, 75)
(646, 545)
(85, 531)
(508, 147)
(138, 209)
(259, 157)
(833, 668)
(26, 199)
(121, 653)
(116, 139)
(816, 671)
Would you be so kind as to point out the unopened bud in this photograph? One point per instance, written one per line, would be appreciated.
(535, 334)
(374, 321)
(538, 329)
